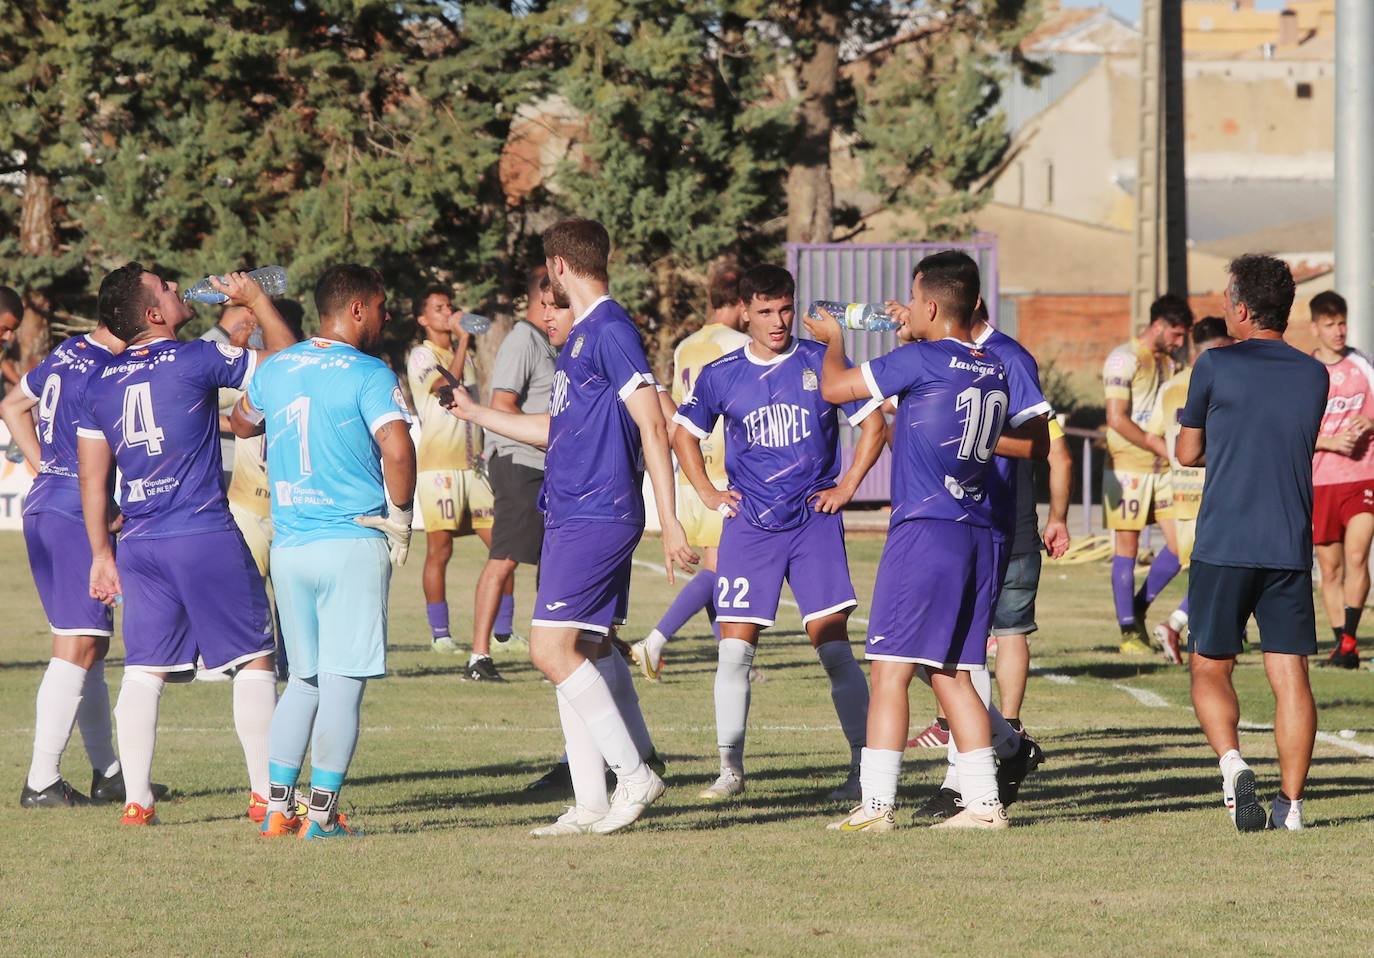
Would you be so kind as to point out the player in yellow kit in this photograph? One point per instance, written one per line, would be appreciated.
(1135, 478)
(454, 497)
(720, 335)
(1185, 481)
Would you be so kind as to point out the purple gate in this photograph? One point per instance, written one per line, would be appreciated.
(872, 273)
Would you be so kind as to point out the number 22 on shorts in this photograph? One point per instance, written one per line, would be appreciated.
(741, 593)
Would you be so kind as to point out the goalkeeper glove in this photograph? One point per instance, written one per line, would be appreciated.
(395, 525)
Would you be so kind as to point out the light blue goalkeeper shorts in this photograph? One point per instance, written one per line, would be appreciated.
(332, 599)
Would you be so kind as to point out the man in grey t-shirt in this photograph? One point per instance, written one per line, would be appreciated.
(521, 382)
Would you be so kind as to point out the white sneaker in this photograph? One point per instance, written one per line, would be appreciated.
(639, 652)
(444, 645)
(1285, 814)
(574, 821)
(860, 819)
(628, 802)
(995, 819)
(850, 791)
(1243, 804)
(729, 784)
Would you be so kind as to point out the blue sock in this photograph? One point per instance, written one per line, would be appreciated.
(695, 596)
(1123, 581)
(290, 734)
(1162, 572)
(505, 616)
(437, 613)
(336, 736)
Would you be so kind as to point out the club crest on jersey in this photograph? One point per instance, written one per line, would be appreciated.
(229, 350)
(577, 347)
(1338, 378)
(141, 352)
(809, 380)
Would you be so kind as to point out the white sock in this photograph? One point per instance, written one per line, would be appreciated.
(654, 644)
(586, 767)
(136, 723)
(735, 657)
(978, 779)
(617, 675)
(951, 781)
(588, 693)
(849, 693)
(255, 699)
(879, 769)
(1178, 620)
(1006, 741)
(93, 718)
(474, 658)
(1231, 765)
(59, 697)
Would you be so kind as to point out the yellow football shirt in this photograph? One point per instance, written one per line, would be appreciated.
(706, 345)
(1185, 481)
(1134, 373)
(446, 442)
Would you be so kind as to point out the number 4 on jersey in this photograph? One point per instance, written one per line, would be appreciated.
(140, 429)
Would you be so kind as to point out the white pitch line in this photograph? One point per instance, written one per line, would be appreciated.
(1144, 696)
(782, 601)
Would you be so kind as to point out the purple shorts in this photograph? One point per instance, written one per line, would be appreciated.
(192, 596)
(754, 562)
(934, 596)
(584, 575)
(60, 557)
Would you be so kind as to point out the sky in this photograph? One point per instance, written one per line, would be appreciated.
(1129, 10)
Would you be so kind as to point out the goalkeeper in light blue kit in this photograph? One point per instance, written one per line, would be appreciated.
(341, 467)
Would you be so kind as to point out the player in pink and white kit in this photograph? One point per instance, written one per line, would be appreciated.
(1343, 478)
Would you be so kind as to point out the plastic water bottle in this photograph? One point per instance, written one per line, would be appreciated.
(272, 279)
(473, 324)
(869, 317)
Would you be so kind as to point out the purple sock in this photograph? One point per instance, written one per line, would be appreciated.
(695, 596)
(1183, 606)
(711, 614)
(437, 613)
(1162, 572)
(505, 616)
(1123, 579)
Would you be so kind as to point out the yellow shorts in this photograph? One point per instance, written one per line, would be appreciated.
(702, 525)
(257, 532)
(454, 500)
(1187, 533)
(1134, 500)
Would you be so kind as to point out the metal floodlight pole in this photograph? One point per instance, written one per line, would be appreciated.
(1354, 154)
(1161, 225)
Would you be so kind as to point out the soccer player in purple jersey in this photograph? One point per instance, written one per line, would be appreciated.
(782, 511)
(153, 412)
(603, 415)
(938, 576)
(73, 690)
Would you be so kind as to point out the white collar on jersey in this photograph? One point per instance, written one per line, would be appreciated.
(588, 311)
(749, 354)
(988, 330)
(956, 339)
(97, 343)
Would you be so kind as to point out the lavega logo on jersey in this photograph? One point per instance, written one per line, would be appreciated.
(777, 425)
(558, 398)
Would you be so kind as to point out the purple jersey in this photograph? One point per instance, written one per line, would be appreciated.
(952, 404)
(157, 405)
(1027, 402)
(58, 385)
(592, 470)
(781, 437)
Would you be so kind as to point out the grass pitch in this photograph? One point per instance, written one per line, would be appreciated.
(1120, 845)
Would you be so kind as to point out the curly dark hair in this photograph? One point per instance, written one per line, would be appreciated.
(1264, 285)
(768, 281)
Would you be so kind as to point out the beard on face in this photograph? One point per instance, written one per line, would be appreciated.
(560, 293)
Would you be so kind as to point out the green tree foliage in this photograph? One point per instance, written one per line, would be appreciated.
(682, 154)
